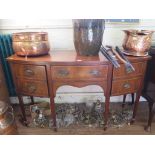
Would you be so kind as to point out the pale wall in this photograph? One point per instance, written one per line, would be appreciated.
(61, 37)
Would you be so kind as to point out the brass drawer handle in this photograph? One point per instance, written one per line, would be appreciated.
(63, 72)
(94, 72)
(28, 72)
(126, 86)
(31, 88)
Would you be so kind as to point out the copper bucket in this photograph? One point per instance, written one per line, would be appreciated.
(137, 42)
(7, 120)
(30, 43)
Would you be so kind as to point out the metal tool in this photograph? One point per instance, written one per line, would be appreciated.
(104, 51)
(124, 57)
(128, 66)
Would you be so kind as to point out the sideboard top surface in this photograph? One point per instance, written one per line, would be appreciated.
(67, 57)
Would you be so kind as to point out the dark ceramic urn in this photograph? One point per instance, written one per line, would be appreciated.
(88, 34)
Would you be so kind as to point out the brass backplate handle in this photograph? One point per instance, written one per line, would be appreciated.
(94, 72)
(31, 88)
(63, 72)
(126, 85)
(28, 72)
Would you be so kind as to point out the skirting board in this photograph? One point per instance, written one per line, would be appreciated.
(88, 98)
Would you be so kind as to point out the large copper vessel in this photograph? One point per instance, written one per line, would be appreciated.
(137, 42)
(30, 43)
(7, 120)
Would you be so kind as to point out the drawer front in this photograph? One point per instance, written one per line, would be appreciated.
(32, 88)
(120, 87)
(79, 72)
(30, 71)
(122, 71)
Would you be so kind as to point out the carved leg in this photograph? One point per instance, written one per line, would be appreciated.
(106, 112)
(135, 107)
(52, 106)
(32, 99)
(21, 103)
(151, 114)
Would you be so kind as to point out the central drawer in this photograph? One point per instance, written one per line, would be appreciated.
(79, 72)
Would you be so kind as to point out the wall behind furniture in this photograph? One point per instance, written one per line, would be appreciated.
(61, 38)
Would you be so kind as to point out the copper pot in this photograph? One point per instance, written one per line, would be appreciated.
(30, 43)
(137, 42)
(3, 108)
(7, 125)
(7, 120)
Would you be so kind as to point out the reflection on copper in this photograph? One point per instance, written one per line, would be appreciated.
(30, 43)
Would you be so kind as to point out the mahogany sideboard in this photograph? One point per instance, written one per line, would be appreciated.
(41, 76)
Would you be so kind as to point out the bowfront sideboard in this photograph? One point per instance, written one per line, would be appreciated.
(41, 76)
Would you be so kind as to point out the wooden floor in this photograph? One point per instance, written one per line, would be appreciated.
(136, 129)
